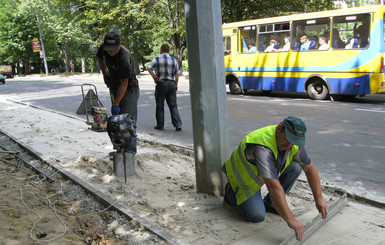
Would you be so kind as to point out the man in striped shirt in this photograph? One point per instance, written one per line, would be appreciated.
(164, 71)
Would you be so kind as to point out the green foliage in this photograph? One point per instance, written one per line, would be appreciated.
(245, 10)
(185, 65)
(72, 30)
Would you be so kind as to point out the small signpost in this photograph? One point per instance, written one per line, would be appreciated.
(36, 45)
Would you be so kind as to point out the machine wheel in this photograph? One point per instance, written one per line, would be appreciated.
(317, 90)
(235, 88)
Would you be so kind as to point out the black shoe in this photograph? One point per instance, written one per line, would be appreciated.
(178, 128)
(158, 128)
(270, 209)
(226, 200)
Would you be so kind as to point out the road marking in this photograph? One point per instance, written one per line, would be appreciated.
(357, 109)
(284, 102)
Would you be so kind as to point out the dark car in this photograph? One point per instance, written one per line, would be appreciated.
(2, 79)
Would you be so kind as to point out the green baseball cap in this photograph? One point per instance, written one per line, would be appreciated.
(295, 130)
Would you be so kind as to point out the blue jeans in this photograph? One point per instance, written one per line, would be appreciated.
(166, 90)
(253, 209)
(129, 105)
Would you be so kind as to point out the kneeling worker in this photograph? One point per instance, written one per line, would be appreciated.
(275, 156)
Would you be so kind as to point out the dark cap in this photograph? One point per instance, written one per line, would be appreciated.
(295, 130)
(111, 41)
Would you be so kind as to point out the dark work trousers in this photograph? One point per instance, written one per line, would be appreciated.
(253, 209)
(166, 90)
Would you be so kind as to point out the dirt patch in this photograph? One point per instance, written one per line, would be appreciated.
(62, 210)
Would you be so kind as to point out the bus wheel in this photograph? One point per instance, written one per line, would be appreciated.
(317, 90)
(235, 88)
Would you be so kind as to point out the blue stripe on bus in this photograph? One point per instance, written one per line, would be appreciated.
(361, 58)
(357, 85)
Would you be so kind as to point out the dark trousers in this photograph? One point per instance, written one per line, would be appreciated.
(253, 209)
(166, 90)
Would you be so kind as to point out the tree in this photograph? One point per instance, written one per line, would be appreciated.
(18, 30)
(74, 38)
(125, 17)
(245, 10)
(166, 24)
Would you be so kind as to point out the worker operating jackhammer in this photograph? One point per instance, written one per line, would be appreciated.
(121, 129)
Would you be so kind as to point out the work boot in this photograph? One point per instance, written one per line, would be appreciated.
(225, 198)
(270, 208)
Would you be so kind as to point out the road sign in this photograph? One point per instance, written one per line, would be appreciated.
(36, 45)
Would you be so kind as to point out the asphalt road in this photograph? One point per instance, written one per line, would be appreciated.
(345, 139)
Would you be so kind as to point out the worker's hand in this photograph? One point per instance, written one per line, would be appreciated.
(297, 227)
(115, 110)
(107, 80)
(322, 207)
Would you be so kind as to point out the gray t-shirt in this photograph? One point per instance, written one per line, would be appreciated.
(268, 167)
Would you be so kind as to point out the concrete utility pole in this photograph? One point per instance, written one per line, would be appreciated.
(42, 46)
(208, 92)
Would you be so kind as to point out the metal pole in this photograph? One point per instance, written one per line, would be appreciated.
(208, 93)
(42, 46)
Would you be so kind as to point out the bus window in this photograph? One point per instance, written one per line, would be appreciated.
(351, 32)
(307, 33)
(271, 37)
(227, 45)
(248, 35)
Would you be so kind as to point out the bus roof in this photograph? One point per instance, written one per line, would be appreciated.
(291, 17)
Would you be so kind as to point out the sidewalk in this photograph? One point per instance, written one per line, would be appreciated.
(163, 190)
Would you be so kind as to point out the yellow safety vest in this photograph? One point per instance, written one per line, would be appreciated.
(243, 175)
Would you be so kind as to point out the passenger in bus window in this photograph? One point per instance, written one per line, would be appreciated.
(305, 43)
(301, 30)
(336, 41)
(252, 48)
(315, 39)
(286, 46)
(336, 38)
(352, 43)
(362, 31)
(271, 48)
(323, 43)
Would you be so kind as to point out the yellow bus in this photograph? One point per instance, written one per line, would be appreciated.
(322, 54)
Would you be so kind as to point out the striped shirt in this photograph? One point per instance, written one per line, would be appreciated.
(165, 67)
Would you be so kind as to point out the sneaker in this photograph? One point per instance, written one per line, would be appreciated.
(178, 128)
(158, 128)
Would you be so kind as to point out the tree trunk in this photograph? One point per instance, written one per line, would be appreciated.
(67, 55)
(26, 65)
(83, 65)
(176, 43)
(135, 55)
(134, 52)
